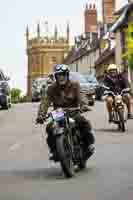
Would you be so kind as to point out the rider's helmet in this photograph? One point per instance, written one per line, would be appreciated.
(113, 70)
(61, 69)
(112, 67)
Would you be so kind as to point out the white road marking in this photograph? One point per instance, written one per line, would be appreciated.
(18, 145)
(15, 147)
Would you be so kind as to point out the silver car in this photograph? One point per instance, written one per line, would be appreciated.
(84, 86)
(37, 85)
(5, 93)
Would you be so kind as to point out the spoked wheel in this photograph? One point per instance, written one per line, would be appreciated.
(64, 153)
(121, 124)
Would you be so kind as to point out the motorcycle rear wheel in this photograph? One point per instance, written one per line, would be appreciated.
(64, 153)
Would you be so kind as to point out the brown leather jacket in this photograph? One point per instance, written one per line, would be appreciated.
(67, 97)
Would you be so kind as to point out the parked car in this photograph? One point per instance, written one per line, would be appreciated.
(5, 95)
(37, 86)
(100, 91)
(91, 79)
(98, 86)
(86, 87)
(40, 83)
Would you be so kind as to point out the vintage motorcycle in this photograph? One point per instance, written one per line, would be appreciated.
(118, 110)
(67, 147)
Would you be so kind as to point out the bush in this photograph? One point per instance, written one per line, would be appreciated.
(130, 62)
(15, 95)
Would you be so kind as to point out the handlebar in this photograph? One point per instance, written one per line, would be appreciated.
(109, 92)
(126, 90)
(105, 87)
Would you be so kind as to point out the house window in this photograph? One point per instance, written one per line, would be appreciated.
(53, 59)
(42, 63)
(32, 60)
(37, 59)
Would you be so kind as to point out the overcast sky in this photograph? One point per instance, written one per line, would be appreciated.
(16, 14)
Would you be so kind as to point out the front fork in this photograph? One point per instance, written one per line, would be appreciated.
(116, 109)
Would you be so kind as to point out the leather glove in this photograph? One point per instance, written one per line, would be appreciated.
(39, 120)
(85, 108)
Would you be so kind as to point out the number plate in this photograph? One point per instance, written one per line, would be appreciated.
(57, 115)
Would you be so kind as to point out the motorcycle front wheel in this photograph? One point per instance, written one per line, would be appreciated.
(121, 121)
(64, 152)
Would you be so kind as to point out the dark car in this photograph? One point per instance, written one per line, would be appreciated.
(98, 86)
(100, 91)
(85, 86)
(5, 93)
(91, 79)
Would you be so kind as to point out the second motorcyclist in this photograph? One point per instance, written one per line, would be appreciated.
(116, 83)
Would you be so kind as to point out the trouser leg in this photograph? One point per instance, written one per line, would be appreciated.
(86, 130)
(127, 101)
(49, 139)
(109, 105)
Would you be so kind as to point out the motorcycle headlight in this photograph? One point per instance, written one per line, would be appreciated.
(93, 96)
(118, 98)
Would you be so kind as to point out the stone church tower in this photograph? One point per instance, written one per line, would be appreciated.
(108, 10)
(43, 53)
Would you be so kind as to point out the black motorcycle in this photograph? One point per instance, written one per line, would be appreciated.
(118, 110)
(67, 147)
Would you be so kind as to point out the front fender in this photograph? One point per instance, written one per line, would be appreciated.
(58, 131)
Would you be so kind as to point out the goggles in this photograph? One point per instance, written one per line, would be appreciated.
(61, 68)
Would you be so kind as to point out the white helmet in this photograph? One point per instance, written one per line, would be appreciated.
(112, 67)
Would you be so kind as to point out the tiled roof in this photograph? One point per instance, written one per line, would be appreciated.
(76, 54)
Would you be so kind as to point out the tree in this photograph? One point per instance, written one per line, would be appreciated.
(15, 95)
(130, 61)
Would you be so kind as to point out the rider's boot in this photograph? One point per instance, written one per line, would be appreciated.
(91, 150)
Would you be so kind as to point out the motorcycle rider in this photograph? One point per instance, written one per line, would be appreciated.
(66, 94)
(116, 82)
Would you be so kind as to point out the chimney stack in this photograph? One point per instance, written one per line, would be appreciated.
(108, 10)
(90, 16)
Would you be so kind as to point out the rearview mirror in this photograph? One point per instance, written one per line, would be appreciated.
(7, 78)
